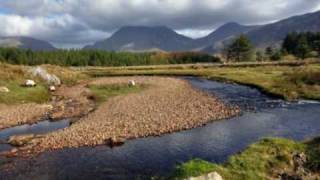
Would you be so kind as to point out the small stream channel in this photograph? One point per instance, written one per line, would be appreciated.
(37, 128)
(263, 116)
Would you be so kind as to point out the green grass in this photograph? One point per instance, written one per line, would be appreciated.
(12, 76)
(19, 94)
(277, 80)
(101, 93)
(259, 161)
(313, 152)
(194, 168)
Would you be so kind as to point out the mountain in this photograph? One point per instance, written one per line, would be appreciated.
(219, 37)
(269, 34)
(273, 34)
(26, 43)
(162, 38)
(141, 38)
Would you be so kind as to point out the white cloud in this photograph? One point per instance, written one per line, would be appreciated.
(67, 22)
(195, 33)
(12, 25)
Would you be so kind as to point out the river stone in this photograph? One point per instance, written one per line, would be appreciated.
(52, 88)
(20, 140)
(4, 89)
(113, 142)
(210, 176)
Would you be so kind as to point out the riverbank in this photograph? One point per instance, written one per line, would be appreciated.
(290, 81)
(166, 106)
(157, 156)
(27, 105)
(267, 159)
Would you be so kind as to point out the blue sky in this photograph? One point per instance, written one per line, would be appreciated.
(75, 23)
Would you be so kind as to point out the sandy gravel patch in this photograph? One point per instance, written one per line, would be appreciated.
(67, 102)
(12, 115)
(168, 105)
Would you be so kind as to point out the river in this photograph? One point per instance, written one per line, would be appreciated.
(262, 116)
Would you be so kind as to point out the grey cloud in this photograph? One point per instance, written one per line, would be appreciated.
(67, 22)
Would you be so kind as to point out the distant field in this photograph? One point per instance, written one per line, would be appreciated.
(288, 79)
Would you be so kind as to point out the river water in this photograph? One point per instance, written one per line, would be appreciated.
(262, 116)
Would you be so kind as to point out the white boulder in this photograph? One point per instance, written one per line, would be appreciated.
(30, 83)
(132, 83)
(4, 89)
(43, 74)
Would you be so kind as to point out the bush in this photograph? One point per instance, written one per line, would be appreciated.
(305, 76)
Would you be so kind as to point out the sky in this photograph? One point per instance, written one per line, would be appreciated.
(75, 23)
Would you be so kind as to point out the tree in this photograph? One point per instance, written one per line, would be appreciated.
(276, 56)
(289, 43)
(260, 56)
(269, 52)
(302, 49)
(240, 49)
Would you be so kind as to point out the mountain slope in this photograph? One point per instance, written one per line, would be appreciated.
(26, 43)
(218, 38)
(226, 31)
(274, 33)
(142, 38)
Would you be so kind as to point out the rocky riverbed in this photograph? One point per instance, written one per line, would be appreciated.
(167, 105)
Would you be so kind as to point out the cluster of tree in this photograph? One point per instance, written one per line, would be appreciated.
(302, 45)
(184, 58)
(99, 57)
(240, 49)
(269, 54)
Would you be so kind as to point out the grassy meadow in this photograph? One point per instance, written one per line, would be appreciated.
(101, 93)
(289, 81)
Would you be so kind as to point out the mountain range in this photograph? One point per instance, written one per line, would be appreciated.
(162, 38)
(26, 43)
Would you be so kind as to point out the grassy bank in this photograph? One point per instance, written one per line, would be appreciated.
(290, 81)
(262, 160)
(102, 92)
(12, 76)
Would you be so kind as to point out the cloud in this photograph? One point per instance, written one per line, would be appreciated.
(78, 22)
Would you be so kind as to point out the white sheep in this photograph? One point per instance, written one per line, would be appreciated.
(132, 83)
(30, 83)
